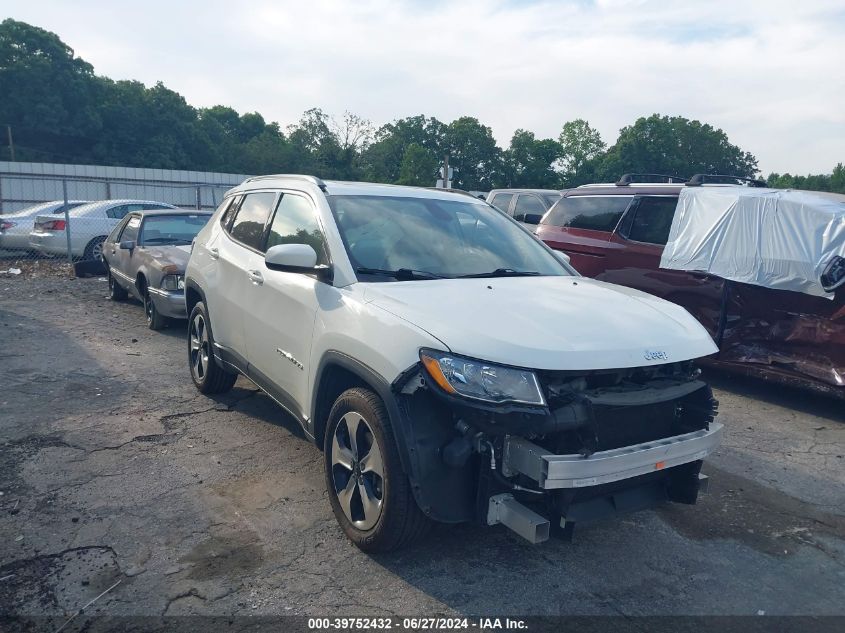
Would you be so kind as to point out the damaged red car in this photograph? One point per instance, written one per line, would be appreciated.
(762, 269)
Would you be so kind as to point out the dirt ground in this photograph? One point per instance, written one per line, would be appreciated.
(113, 468)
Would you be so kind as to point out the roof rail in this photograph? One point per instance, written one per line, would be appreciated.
(628, 179)
(701, 179)
(312, 179)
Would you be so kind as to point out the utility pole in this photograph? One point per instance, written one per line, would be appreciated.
(446, 182)
(11, 142)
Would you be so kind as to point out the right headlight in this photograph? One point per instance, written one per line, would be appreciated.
(479, 380)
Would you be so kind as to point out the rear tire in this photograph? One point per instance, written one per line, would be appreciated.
(116, 291)
(94, 249)
(207, 375)
(370, 494)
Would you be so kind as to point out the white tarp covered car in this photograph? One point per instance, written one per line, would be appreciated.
(775, 238)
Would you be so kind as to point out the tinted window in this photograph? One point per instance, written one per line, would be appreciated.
(652, 220)
(527, 203)
(445, 237)
(502, 201)
(295, 222)
(171, 229)
(598, 213)
(68, 206)
(550, 198)
(131, 230)
(119, 212)
(251, 217)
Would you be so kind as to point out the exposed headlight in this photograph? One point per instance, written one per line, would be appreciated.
(173, 282)
(482, 381)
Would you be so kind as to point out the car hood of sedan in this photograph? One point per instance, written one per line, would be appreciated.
(562, 323)
(170, 255)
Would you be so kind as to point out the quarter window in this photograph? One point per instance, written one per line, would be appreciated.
(252, 216)
(597, 213)
(295, 222)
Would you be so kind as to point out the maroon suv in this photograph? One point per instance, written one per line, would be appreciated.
(617, 232)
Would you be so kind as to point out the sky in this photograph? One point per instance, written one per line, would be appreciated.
(767, 72)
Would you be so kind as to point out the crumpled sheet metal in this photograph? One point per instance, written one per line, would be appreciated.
(775, 238)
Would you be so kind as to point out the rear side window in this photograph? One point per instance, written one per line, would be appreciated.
(131, 230)
(652, 220)
(502, 201)
(597, 213)
(252, 216)
(295, 222)
(118, 212)
(527, 203)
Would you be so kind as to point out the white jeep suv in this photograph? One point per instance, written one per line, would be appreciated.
(451, 367)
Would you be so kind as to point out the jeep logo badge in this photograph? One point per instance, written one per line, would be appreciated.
(650, 354)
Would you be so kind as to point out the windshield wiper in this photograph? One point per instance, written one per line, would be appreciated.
(502, 272)
(401, 274)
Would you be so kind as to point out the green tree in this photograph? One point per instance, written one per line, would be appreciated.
(382, 159)
(675, 146)
(581, 149)
(473, 154)
(419, 167)
(529, 161)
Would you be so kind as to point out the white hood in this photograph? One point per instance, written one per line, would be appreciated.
(547, 322)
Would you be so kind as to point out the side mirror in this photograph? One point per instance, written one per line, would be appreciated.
(296, 258)
(563, 257)
(532, 218)
(127, 245)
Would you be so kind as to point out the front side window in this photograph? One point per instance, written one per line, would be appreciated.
(131, 230)
(652, 220)
(171, 230)
(441, 237)
(502, 201)
(596, 213)
(252, 216)
(295, 222)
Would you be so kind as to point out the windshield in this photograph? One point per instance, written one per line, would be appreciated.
(171, 229)
(422, 238)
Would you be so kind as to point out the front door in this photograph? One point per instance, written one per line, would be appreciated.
(282, 306)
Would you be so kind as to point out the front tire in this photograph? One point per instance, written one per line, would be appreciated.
(207, 375)
(370, 495)
(155, 321)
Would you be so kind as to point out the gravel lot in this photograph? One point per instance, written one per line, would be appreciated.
(114, 468)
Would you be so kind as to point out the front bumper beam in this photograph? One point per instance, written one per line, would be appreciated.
(553, 472)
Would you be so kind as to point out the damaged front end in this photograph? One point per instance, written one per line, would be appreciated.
(600, 443)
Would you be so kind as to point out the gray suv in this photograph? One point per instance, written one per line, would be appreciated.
(524, 205)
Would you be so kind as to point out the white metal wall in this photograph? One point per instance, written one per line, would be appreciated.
(25, 184)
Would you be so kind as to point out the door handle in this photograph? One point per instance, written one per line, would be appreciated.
(213, 252)
(255, 277)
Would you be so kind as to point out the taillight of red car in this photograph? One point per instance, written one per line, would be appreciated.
(6, 224)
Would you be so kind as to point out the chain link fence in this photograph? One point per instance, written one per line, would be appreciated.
(53, 218)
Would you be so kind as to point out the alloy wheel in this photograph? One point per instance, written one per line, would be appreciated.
(357, 471)
(199, 350)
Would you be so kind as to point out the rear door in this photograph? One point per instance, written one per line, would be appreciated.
(241, 238)
(634, 261)
(581, 226)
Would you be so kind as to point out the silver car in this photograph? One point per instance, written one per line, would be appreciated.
(15, 226)
(89, 226)
(146, 255)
